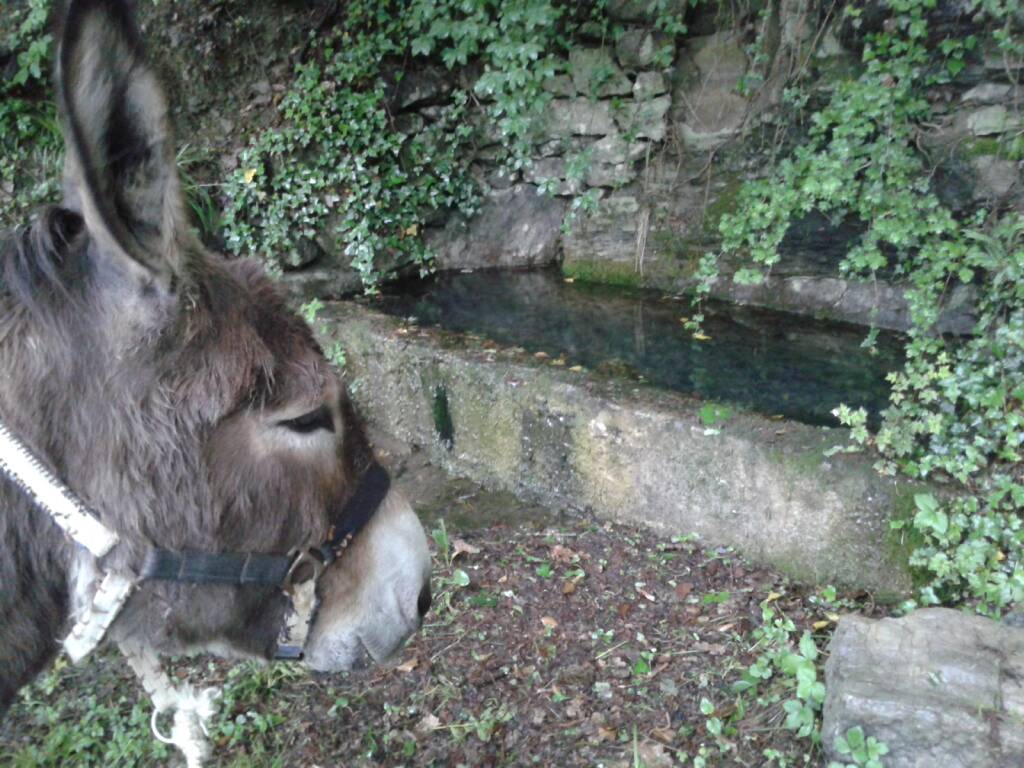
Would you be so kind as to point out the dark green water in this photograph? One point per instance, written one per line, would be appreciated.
(769, 362)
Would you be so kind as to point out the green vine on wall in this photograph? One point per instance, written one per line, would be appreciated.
(28, 126)
(957, 407)
(340, 164)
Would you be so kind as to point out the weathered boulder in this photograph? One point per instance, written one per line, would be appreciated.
(553, 173)
(606, 237)
(938, 687)
(560, 85)
(644, 119)
(995, 176)
(578, 117)
(719, 58)
(648, 85)
(710, 118)
(595, 74)
(615, 149)
(515, 227)
(987, 93)
(635, 48)
(992, 120)
(708, 111)
(420, 86)
(610, 175)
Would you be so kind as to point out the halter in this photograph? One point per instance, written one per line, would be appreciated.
(102, 592)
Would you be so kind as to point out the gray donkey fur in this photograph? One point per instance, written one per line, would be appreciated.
(143, 371)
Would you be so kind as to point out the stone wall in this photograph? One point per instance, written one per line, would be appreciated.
(657, 139)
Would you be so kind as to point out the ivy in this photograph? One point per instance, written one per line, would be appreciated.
(28, 126)
(957, 406)
(339, 168)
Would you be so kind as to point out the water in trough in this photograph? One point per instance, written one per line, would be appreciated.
(769, 362)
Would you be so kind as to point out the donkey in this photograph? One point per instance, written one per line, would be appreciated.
(175, 393)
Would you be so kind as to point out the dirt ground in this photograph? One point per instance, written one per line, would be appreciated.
(555, 640)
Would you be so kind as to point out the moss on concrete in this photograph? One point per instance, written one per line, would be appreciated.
(604, 272)
(981, 146)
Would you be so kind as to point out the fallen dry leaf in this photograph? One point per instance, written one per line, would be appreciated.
(428, 723)
(684, 589)
(561, 554)
(548, 621)
(408, 666)
(568, 587)
(461, 547)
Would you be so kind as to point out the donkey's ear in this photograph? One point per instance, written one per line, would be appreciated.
(120, 168)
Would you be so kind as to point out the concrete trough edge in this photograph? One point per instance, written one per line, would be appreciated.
(628, 453)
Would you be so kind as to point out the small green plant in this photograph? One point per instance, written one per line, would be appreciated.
(30, 140)
(957, 407)
(862, 752)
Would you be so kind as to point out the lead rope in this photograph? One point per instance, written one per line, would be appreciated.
(99, 596)
(192, 708)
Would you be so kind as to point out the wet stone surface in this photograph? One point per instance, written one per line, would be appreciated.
(772, 363)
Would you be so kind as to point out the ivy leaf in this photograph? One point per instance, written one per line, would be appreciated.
(929, 515)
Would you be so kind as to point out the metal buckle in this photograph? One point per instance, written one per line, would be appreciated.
(297, 572)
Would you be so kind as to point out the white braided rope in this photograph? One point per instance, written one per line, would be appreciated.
(48, 493)
(192, 708)
(97, 614)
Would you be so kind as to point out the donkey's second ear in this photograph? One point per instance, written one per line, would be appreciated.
(120, 170)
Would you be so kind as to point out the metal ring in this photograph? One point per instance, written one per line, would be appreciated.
(303, 558)
(156, 731)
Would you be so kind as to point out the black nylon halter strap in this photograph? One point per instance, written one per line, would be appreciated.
(247, 568)
(370, 494)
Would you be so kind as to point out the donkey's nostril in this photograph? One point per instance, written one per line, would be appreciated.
(423, 603)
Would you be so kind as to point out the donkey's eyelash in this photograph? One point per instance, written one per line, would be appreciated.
(310, 422)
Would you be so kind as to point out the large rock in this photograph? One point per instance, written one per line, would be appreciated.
(515, 228)
(880, 303)
(635, 48)
(996, 176)
(992, 120)
(552, 172)
(421, 86)
(614, 149)
(578, 117)
(938, 687)
(595, 74)
(719, 58)
(648, 85)
(638, 48)
(709, 118)
(644, 119)
(606, 237)
(987, 93)
(708, 110)
(560, 85)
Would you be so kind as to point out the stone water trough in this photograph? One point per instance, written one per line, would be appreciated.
(512, 420)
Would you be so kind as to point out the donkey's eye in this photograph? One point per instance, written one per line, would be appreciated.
(310, 422)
